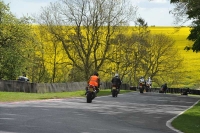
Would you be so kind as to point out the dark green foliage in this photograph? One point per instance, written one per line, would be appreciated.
(192, 9)
(174, 1)
(196, 45)
(195, 36)
(14, 34)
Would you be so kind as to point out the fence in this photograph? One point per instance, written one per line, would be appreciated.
(20, 86)
(17, 86)
(171, 90)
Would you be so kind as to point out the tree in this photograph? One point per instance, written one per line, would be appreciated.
(121, 60)
(145, 54)
(14, 35)
(154, 54)
(190, 9)
(85, 28)
(53, 56)
(133, 48)
(162, 59)
(141, 47)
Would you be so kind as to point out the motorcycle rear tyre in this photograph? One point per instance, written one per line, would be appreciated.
(89, 97)
(113, 93)
(141, 90)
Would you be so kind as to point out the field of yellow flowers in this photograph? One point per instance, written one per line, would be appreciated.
(191, 63)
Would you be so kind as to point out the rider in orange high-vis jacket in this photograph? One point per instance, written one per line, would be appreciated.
(94, 81)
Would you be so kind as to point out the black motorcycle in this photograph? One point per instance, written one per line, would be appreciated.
(90, 93)
(115, 91)
(142, 87)
(148, 87)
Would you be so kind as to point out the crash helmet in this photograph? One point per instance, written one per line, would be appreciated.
(116, 75)
(96, 73)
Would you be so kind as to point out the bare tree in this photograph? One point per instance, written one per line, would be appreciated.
(85, 29)
(121, 58)
(163, 59)
(145, 54)
(179, 12)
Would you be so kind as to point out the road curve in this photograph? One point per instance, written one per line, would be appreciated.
(128, 113)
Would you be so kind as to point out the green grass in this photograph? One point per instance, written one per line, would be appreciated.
(20, 96)
(189, 122)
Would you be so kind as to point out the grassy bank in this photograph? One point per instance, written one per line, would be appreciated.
(20, 96)
(189, 122)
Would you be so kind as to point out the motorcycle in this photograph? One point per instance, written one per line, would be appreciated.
(148, 87)
(161, 90)
(90, 93)
(142, 87)
(115, 91)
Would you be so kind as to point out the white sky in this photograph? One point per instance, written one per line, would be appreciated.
(154, 12)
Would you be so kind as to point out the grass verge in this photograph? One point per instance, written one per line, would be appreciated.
(189, 121)
(20, 96)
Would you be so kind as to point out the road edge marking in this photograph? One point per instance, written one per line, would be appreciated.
(168, 123)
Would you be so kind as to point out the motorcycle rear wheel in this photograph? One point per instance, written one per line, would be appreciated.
(113, 93)
(141, 90)
(89, 97)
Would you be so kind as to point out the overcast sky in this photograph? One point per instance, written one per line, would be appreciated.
(154, 12)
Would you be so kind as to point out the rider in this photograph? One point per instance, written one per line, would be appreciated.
(116, 81)
(164, 88)
(141, 80)
(149, 81)
(94, 81)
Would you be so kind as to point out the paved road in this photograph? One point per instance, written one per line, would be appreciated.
(128, 113)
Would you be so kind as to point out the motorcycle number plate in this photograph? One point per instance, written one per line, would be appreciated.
(113, 88)
(90, 89)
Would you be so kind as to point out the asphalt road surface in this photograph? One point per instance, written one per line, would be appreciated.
(128, 113)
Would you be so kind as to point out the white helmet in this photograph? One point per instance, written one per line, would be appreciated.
(116, 75)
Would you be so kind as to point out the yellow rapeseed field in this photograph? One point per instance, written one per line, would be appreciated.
(190, 71)
(191, 66)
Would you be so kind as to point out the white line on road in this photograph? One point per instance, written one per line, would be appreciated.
(168, 124)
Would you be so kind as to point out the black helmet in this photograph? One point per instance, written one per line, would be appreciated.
(95, 73)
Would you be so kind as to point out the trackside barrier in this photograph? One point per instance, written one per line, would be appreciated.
(17, 86)
(60, 87)
(177, 90)
(20, 86)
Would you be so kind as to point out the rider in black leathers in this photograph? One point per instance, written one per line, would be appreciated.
(116, 81)
(163, 88)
